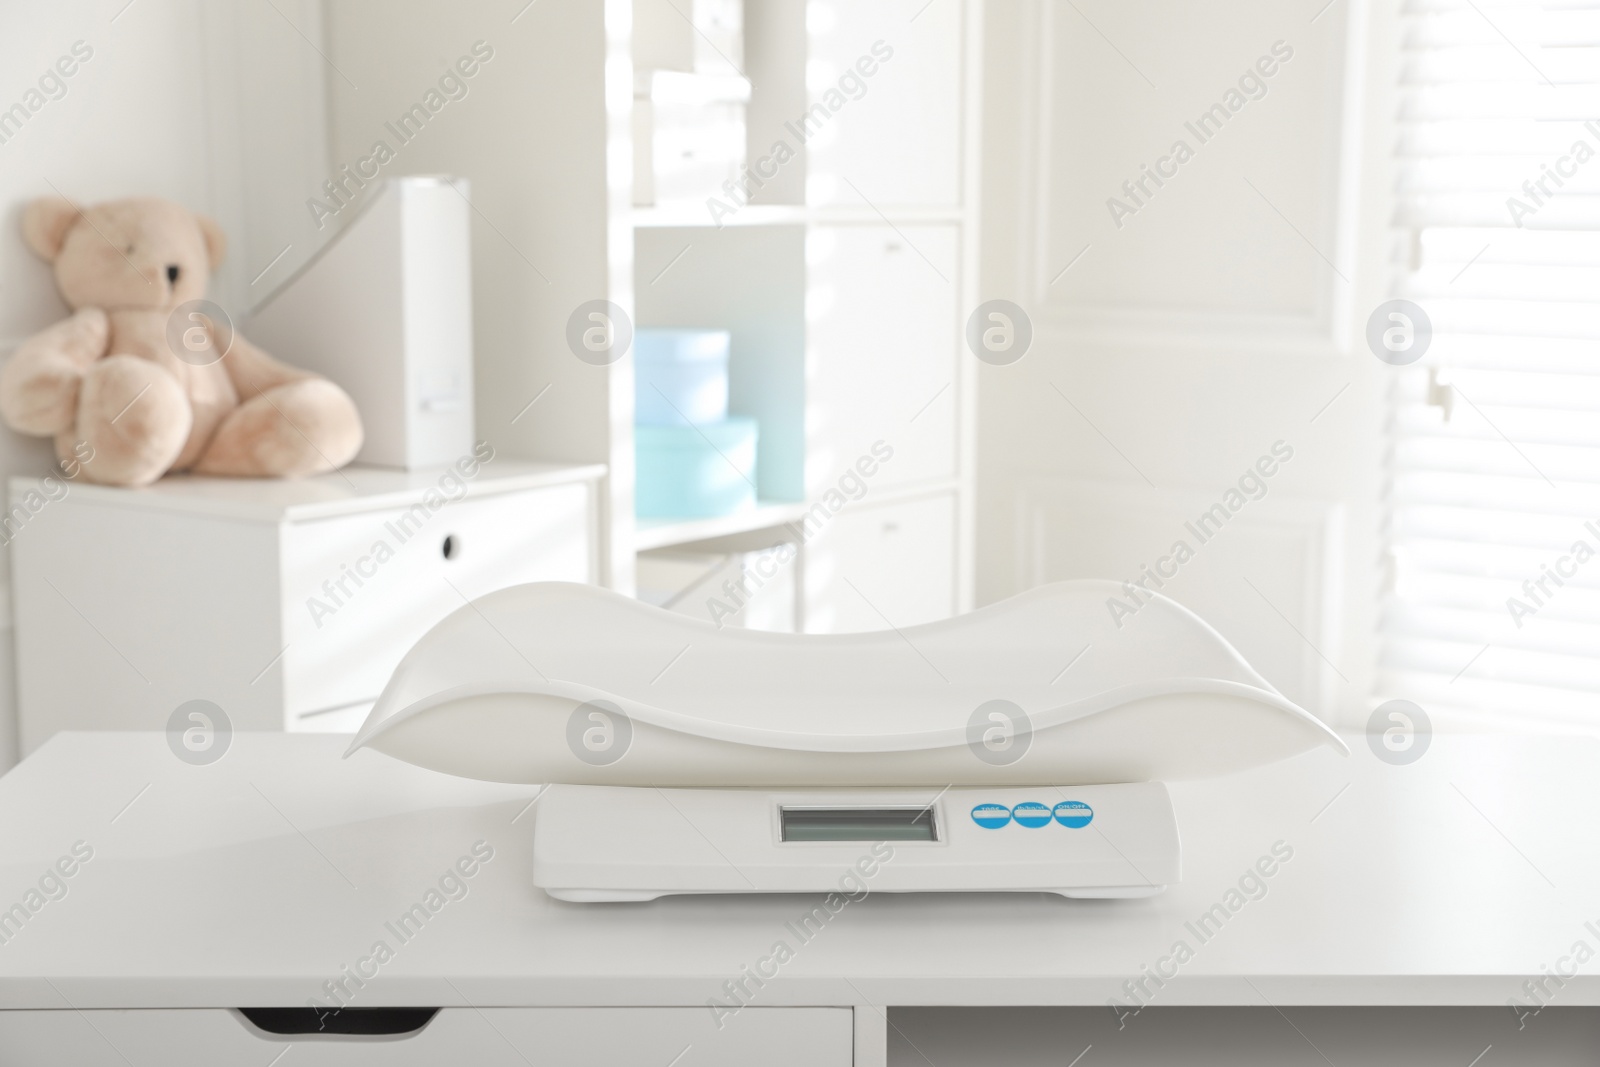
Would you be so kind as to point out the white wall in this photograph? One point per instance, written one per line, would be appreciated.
(166, 106)
(537, 177)
(1213, 323)
(529, 135)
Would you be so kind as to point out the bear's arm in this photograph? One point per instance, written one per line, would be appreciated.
(39, 383)
(253, 372)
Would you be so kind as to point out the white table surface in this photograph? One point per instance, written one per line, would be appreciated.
(254, 880)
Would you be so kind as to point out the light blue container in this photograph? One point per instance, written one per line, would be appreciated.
(680, 375)
(689, 472)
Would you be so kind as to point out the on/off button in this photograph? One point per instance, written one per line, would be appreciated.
(1073, 814)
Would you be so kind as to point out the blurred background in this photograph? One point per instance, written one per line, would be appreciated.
(862, 316)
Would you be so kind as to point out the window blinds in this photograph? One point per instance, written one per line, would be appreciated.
(1494, 437)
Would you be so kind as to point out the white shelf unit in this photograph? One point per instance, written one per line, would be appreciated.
(845, 282)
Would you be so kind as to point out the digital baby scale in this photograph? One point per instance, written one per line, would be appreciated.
(1019, 748)
(596, 842)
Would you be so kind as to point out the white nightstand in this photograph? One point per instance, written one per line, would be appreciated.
(285, 603)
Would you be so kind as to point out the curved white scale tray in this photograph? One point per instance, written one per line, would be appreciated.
(496, 690)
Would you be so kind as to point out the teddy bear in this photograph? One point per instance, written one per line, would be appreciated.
(141, 378)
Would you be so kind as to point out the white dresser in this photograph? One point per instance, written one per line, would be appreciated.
(285, 603)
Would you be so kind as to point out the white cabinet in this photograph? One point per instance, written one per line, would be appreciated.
(893, 138)
(846, 301)
(286, 604)
(874, 567)
(882, 337)
(703, 584)
(843, 262)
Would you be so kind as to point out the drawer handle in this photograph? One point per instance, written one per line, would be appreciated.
(451, 547)
(365, 1022)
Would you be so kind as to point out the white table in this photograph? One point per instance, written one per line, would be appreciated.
(252, 881)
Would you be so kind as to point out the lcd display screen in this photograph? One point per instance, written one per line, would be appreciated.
(858, 824)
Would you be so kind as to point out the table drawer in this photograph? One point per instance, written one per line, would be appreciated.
(490, 1037)
(359, 590)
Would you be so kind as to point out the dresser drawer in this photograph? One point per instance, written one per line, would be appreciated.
(490, 1037)
(359, 590)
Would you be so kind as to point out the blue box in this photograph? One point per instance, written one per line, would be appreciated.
(695, 472)
(680, 375)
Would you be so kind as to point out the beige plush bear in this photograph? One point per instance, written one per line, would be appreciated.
(130, 377)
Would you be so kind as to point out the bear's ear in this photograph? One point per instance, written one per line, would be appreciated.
(216, 240)
(45, 224)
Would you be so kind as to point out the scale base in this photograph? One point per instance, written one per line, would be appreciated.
(615, 844)
(638, 896)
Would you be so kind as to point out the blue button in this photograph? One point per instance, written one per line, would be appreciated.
(1074, 814)
(1031, 814)
(991, 816)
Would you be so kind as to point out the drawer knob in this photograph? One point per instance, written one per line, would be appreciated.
(451, 547)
